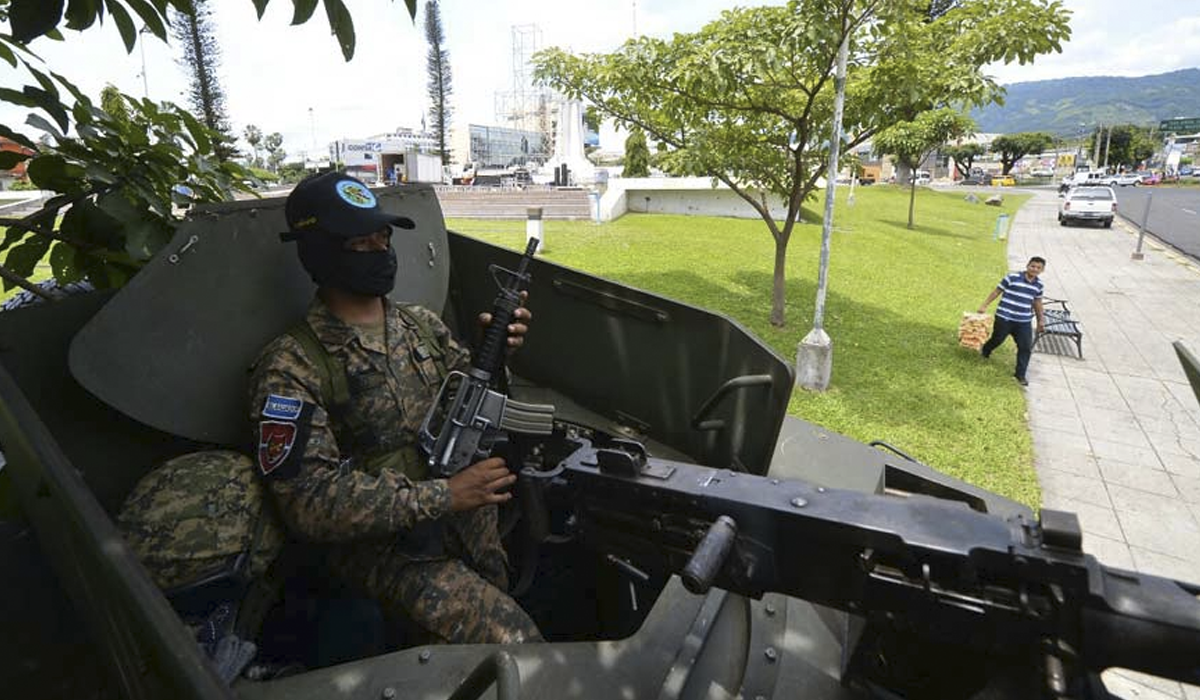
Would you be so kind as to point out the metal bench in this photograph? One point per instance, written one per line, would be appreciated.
(1060, 323)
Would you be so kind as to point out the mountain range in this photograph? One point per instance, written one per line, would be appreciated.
(1062, 105)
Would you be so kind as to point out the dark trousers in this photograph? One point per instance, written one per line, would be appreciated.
(1022, 333)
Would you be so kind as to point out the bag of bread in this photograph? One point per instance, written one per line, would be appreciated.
(974, 330)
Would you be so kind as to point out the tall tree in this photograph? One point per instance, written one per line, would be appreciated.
(437, 71)
(202, 59)
(911, 142)
(748, 99)
(1129, 146)
(1014, 147)
(964, 156)
(273, 144)
(637, 155)
(254, 137)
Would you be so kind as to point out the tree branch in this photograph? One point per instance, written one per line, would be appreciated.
(21, 282)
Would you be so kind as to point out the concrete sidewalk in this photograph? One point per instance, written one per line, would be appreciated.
(1117, 435)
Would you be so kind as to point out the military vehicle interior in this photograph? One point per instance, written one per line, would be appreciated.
(158, 369)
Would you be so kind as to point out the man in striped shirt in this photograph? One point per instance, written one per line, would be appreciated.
(1020, 298)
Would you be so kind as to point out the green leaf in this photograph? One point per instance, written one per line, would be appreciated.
(33, 18)
(62, 263)
(17, 98)
(10, 159)
(6, 53)
(75, 92)
(11, 236)
(342, 26)
(50, 103)
(260, 6)
(303, 10)
(150, 16)
(198, 131)
(124, 23)
(38, 122)
(47, 84)
(412, 8)
(18, 137)
(52, 172)
(82, 14)
(25, 256)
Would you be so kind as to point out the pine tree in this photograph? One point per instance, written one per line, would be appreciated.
(438, 72)
(637, 155)
(202, 59)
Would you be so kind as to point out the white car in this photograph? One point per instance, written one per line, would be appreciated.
(1088, 203)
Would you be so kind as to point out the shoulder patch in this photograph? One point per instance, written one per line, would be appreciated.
(282, 407)
(275, 442)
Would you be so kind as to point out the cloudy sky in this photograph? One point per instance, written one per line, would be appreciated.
(293, 80)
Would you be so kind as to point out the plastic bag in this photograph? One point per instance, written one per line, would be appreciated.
(974, 329)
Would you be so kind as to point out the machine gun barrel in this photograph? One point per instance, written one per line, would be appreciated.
(938, 565)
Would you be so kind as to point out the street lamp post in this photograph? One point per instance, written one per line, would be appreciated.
(814, 357)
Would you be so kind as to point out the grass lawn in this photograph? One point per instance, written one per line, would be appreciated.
(894, 301)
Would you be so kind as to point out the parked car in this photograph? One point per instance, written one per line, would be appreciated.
(1185, 170)
(1152, 179)
(923, 177)
(1089, 203)
(1041, 172)
(1124, 180)
(1003, 181)
(973, 180)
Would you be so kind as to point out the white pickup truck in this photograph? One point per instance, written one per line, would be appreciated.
(1097, 203)
(1099, 178)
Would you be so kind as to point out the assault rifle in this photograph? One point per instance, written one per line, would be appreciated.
(468, 415)
(940, 600)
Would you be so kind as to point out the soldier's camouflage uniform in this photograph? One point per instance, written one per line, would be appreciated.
(349, 475)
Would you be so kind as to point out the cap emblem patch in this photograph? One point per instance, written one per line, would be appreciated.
(355, 194)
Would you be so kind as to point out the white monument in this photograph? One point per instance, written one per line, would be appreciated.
(568, 145)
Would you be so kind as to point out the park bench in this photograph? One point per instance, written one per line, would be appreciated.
(1059, 324)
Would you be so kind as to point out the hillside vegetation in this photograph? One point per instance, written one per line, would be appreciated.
(1060, 106)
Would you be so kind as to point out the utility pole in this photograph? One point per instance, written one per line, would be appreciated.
(814, 357)
(1107, 143)
(1096, 149)
(312, 126)
(142, 46)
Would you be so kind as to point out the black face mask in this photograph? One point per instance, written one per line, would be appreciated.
(370, 273)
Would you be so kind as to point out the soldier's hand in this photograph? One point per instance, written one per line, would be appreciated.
(478, 484)
(517, 328)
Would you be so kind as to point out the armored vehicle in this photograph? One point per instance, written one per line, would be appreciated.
(679, 536)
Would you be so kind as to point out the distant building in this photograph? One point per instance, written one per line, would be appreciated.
(502, 147)
(367, 159)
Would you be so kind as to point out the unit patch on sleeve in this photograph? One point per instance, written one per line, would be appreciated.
(282, 443)
(282, 407)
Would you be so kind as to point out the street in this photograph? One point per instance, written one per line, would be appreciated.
(1174, 214)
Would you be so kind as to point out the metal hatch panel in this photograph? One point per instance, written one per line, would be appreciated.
(173, 347)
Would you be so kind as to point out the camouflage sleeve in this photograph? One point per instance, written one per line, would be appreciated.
(457, 356)
(319, 498)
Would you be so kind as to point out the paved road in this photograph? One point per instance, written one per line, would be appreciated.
(1174, 214)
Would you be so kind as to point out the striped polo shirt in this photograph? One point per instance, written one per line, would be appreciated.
(1016, 304)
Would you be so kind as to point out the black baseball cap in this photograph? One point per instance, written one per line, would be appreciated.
(338, 204)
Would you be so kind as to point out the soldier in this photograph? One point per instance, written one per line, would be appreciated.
(337, 402)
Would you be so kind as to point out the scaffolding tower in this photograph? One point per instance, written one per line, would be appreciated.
(526, 106)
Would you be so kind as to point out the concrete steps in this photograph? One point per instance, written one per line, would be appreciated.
(511, 203)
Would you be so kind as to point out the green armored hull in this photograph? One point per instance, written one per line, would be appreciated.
(850, 571)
